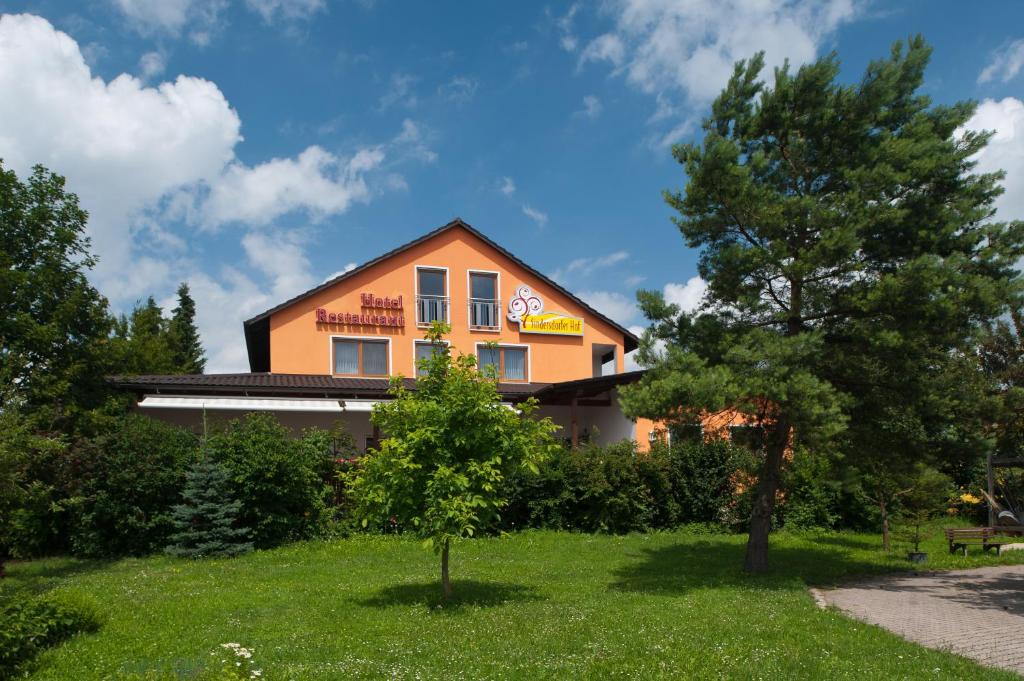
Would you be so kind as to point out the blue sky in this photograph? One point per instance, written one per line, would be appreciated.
(256, 147)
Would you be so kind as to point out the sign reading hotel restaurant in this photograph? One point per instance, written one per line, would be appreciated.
(527, 309)
(376, 311)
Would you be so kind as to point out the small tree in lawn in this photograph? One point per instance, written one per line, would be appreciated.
(207, 520)
(926, 497)
(449, 447)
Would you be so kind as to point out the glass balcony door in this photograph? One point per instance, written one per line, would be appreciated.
(484, 306)
(431, 296)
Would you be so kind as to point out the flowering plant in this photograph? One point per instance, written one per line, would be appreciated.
(237, 663)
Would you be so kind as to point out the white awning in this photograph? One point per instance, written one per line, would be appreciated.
(214, 402)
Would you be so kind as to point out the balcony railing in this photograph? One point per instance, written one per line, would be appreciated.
(431, 309)
(484, 314)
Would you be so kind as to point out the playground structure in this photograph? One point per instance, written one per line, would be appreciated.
(1004, 517)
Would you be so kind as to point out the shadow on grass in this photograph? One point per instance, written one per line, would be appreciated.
(466, 594)
(712, 563)
(35, 577)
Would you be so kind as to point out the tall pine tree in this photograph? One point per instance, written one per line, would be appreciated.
(850, 253)
(186, 348)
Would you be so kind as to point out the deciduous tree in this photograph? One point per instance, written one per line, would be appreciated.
(448, 448)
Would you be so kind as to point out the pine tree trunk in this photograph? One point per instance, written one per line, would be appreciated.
(756, 560)
(445, 582)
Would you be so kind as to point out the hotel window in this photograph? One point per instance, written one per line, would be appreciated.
(484, 306)
(687, 432)
(507, 363)
(747, 435)
(431, 295)
(358, 357)
(424, 350)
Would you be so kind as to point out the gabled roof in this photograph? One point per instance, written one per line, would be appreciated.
(257, 329)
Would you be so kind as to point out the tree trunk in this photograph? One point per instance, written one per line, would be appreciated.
(885, 525)
(756, 560)
(446, 584)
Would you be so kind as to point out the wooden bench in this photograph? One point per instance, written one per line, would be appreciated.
(961, 538)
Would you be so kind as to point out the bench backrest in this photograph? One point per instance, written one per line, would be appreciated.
(970, 533)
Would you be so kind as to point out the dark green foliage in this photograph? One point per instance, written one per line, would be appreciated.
(927, 497)
(183, 336)
(705, 477)
(145, 342)
(850, 254)
(54, 330)
(812, 492)
(206, 521)
(278, 479)
(126, 482)
(617, 489)
(31, 624)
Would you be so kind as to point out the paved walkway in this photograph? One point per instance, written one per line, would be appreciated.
(975, 613)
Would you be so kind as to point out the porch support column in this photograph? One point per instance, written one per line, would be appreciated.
(575, 422)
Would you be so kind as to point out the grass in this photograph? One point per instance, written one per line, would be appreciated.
(527, 606)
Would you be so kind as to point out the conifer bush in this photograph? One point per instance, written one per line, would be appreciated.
(207, 520)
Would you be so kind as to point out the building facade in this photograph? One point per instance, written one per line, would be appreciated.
(326, 356)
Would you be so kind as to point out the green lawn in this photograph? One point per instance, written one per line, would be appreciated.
(530, 605)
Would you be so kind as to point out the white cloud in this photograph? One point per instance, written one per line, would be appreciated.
(152, 64)
(537, 216)
(399, 92)
(277, 10)
(568, 40)
(615, 305)
(508, 187)
(122, 145)
(607, 47)
(167, 15)
(412, 141)
(687, 296)
(583, 267)
(1005, 65)
(459, 89)
(316, 181)
(334, 275)
(140, 155)
(172, 16)
(592, 107)
(690, 47)
(1005, 151)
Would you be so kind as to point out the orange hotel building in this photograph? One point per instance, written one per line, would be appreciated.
(326, 355)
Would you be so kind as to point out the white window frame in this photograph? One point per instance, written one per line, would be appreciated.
(497, 295)
(529, 358)
(385, 339)
(447, 292)
(423, 341)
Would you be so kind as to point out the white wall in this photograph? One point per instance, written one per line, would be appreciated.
(608, 423)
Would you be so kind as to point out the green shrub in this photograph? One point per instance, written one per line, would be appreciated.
(30, 624)
(705, 476)
(279, 480)
(812, 493)
(591, 489)
(130, 478)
